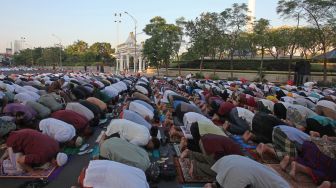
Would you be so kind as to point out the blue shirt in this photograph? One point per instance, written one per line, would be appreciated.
(294, 134)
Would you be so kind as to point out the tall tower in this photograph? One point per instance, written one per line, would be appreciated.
(251, 14)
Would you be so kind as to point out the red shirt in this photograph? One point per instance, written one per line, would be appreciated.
(73, 118)
(219, 146)
(225, 108)
(37, 147)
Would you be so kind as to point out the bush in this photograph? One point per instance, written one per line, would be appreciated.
(199, 75)
(214, 77)
(326, 84)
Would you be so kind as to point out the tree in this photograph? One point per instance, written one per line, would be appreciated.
(318, 13)
(76, 51)
(51, 55)
(102, 51)
(204, 35)
(260, 29)
(181, 23)
(151, 54)
(245, 45)
(308, 44)
(277, 41)
(232, 23)
(161, 45)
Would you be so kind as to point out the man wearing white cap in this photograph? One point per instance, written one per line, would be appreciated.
(132, 132)
(119, 175)
(59, 130)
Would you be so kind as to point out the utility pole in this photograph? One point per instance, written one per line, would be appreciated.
(135, 60)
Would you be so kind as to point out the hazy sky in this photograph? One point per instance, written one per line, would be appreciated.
(93, 20)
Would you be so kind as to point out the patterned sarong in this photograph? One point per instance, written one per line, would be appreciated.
(282, 145)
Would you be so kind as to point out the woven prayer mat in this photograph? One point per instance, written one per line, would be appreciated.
(38, 173)
(182, 168)
(302, 180)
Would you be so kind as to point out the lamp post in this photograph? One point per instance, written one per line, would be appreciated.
(135, 42)
(117, 20)
(60, 47)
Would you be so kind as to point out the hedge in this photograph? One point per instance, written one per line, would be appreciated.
(268, 65)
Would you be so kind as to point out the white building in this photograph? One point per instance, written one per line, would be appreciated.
(251, 14)
(125, 52)
(18, 45)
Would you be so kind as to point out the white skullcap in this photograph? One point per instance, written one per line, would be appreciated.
(79, 141)
(61, 159)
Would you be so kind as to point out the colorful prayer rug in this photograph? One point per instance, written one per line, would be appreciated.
(302, 181)
(182, 167)
(37, 173)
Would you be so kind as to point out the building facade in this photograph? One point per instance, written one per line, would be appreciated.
(129, 56)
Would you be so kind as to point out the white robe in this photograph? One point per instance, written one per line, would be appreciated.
(104, 173)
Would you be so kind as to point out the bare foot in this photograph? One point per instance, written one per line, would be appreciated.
(191, 169)
(184, 154)
(260, 149)
(292, 172)
(247, 136)
(284, 163)
(183, 143)
(208, 185)
(226, 125)
(325, 184)
(314, 134)
(172, 131)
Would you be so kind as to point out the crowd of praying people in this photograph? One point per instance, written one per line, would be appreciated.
(43, 113)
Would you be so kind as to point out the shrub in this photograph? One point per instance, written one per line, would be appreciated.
(326, 84)
(199, 75)
(214, 77)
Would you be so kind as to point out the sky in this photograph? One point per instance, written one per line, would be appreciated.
(94, 20)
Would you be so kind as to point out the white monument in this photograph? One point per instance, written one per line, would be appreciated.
(127, 50)
(251, 14)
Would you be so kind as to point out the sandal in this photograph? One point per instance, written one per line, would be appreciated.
(84, 147)
(85, 152)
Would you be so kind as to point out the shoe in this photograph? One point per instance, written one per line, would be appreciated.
(84, 147)
(85, 152)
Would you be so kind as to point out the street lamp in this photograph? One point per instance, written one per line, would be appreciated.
(60, 47)
(117, 20)
(135, 42)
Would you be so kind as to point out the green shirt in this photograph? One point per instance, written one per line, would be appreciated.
(209, 128)
(119, 150)
(42, 111)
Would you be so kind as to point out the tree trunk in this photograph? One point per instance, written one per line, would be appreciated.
(166, 64)
(178, 64)
(324, 64)
(261, 63)
(231, 65)
(201, 64)
(158, 71)
(290, 62)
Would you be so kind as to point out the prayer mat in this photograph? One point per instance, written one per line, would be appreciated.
(182, 168)
(177, 122)
(186, 132)
(252, 154)
(70, 150)
(268, 159)
(38, 173)
(302, 180)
